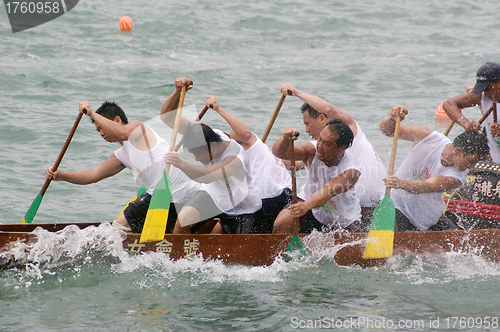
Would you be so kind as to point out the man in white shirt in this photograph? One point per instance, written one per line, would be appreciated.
(272, 182)
(486, 94)
(142, 152)
(433, 166)
(327, 200)
(226, 190)
(316, 112)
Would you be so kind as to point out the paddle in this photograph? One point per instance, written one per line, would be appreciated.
(28, 218)
(381, 235)
(157, 215)
(177, 147)
(198, 118)
(448, 129)
(296, 244)
(481, 120)
(273, 118)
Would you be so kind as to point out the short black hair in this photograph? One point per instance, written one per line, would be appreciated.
(198, 135)
(471, 142)
(346, 135)
(313, 113)
(110, 109)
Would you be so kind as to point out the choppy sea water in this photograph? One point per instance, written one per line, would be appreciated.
(363, 56)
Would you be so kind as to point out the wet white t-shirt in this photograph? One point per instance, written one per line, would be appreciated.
(493, 143)
(341, 210)
(148, 166)
(269, 174)
(241, 198)
(422, 163)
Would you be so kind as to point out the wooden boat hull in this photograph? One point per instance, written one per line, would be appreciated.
(263, 249)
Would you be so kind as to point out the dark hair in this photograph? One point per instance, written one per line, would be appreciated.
(313, 113)
(110, 109)
(198, 135)
(345, 133)
(471, 142)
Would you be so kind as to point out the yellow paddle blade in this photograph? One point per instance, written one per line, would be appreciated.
(156, 218)
(381, 236)
(380, 244)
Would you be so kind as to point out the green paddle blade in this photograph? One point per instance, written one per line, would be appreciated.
(296, 248)
(381, 236)
(28, 218)
(156, 218)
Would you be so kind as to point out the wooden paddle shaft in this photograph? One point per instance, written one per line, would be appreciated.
(393, 152)
(295, 224)
(198, 118)
(273, 118)
(177, 122)
(447, 131)
(63, 150)
(481, 120)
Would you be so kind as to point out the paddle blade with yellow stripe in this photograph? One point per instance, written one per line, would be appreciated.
(28, 218)
(156, 218)
(381, 235)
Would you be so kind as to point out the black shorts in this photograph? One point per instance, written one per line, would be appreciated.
(271, 207)
(240, 224)
(204, 204)
(136, 212)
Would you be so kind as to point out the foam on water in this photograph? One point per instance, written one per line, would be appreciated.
(73, 247)
(51, 253)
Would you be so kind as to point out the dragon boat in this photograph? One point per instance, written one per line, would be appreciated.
(474, 209)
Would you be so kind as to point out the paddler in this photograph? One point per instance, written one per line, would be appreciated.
(433, 166)
(327, 200)
(316, 113)
(142, 152)
(226, 190)
(486, 94)
(272, 182)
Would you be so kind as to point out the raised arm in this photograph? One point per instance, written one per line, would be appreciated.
(304, 151)
(112, 128)
(406, 132)
(241, 133)
(453, 107)
(171, 104)
(321, 105)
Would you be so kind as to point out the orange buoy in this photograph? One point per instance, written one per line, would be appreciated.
(126, 23)
(441, 114)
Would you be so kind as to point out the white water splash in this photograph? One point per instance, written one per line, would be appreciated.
(50, 253)
(65, 244)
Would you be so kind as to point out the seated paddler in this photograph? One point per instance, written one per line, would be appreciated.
(141, 151)
(226, 190)
(327, 200)
(434, 165)
(270, 178)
